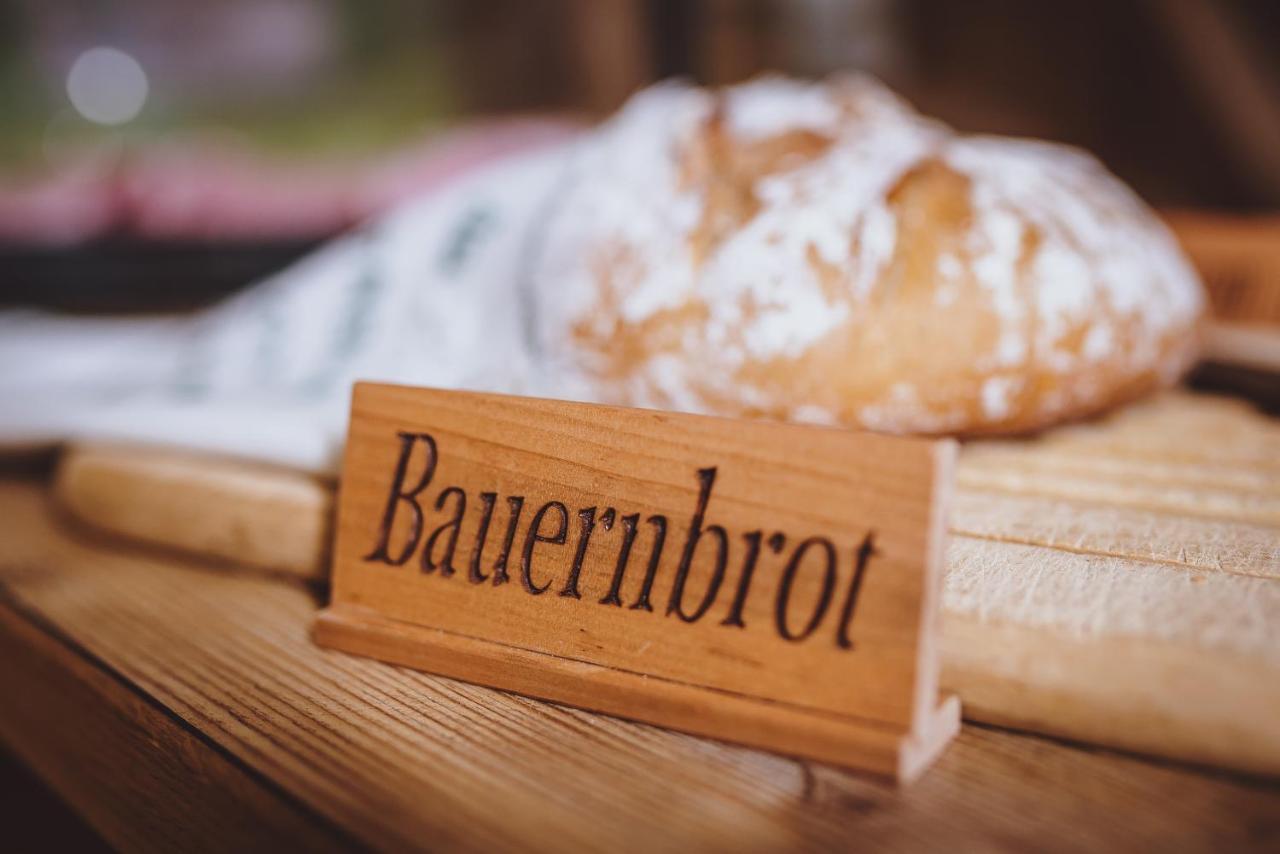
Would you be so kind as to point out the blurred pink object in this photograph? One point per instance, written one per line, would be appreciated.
(69, 207)
(204, 192)
(209, 192)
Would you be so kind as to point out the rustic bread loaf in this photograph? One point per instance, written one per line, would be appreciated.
(822, 253)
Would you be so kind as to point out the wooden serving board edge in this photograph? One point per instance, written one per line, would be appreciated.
(846, 740)
(1038, 680)
(1049, 682)
(1254, 346)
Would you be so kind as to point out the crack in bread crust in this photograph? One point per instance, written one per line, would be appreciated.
(820, 252)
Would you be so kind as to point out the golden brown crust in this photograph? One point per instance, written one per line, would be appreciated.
(822, 253)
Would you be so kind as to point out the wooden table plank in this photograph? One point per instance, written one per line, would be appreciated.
(142, 777)
(1115, 581)
(230, 723)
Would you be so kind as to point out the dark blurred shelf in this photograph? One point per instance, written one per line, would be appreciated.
(126, 275)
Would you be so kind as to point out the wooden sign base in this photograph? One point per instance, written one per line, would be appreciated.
(871, 746)
(762, 583)
(794, 730)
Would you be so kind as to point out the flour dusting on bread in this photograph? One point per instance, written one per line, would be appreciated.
(821, 252)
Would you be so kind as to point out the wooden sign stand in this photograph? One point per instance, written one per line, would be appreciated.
(769, 584)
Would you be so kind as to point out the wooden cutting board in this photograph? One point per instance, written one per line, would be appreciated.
(1115, 582)
(1239, 260)
(1119, 582)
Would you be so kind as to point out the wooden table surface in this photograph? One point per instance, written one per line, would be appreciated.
(179, 704)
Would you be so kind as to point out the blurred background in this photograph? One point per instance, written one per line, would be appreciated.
(155, 154)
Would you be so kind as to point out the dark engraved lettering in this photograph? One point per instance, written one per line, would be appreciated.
(515, 503)
(675, 605)
(659, 523)
(474, 575)
(535, 536)
(453, 526)
(441, 546)
(629, 524)
(788, 577)
(587, 520)
(864, 553)
(744, 580)
(398, 494)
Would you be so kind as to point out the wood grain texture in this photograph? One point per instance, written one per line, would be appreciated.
(396, 759)
(868, 746)
(140, 777)
(1239, 259)
(1118, 582)
(223, 509)
(1146, 542)
(773, 602)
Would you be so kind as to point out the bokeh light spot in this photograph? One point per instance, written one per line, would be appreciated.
(107, 86)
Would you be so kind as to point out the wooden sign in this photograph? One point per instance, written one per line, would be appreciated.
(764, 583)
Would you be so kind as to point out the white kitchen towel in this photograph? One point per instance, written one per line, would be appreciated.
(434, 294)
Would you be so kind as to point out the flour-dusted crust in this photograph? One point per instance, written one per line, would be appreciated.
(820, 252)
